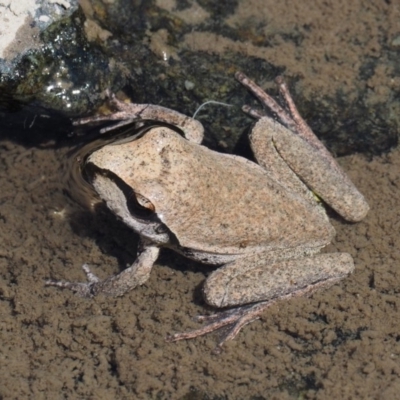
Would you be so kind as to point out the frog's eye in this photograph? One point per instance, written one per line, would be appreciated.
(139, 205)
(145, 203)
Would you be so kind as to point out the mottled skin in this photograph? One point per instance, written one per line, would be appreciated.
(262, 222)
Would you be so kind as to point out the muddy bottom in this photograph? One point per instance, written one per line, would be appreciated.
(343, 342)
(340, 343)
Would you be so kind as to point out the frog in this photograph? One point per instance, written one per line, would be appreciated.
(261, 223)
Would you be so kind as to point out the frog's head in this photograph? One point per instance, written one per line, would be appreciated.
(107, 169)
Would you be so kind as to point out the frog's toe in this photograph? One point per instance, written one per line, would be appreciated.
(234, 319)
(91, 277)
(82, 289)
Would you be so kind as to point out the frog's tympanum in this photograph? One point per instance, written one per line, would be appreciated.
(263, 224)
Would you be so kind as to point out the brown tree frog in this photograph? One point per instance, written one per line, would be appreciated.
(263, 224)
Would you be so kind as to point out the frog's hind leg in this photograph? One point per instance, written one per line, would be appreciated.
(258, 284)
(263, 143)
(302, 151)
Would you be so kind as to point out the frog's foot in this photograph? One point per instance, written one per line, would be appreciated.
(234, 319)
(288, 116)
(128, 113)
(281, 114)
(125, 114)
(83, 289)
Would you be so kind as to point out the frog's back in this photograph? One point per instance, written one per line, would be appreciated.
(225, 204)
(216, 203)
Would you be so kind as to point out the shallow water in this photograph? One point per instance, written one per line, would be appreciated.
(340, 343)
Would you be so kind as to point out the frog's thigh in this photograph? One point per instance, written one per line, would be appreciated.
(253, 279)
(314, 166)
(262, 140)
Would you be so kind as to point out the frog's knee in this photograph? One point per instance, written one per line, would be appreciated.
(215, 290)
(227, 287)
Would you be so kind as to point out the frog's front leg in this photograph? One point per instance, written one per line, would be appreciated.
(128, 113)
(116, 285)
(293, 141)
(254, 283)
